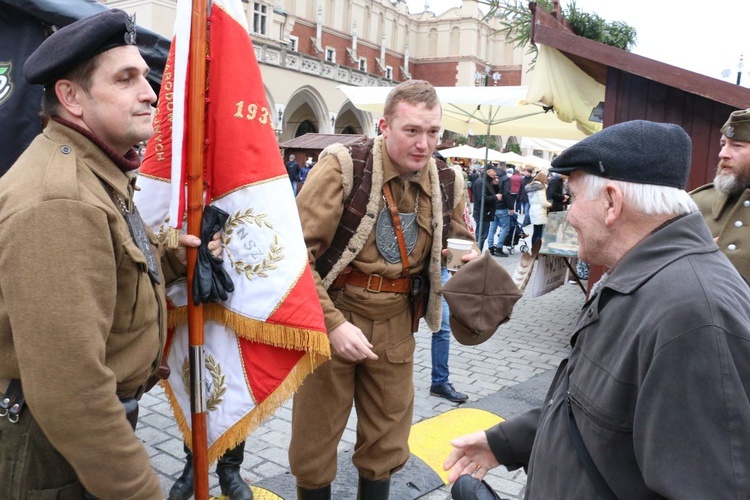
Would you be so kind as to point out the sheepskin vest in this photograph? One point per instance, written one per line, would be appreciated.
(362, 180)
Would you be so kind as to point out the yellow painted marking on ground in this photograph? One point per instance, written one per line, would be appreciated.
(430, 439)
(258, 494)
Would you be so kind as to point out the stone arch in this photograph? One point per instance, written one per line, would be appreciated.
(307, 106)
(351, 120)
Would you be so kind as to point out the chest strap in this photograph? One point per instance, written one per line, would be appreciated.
(355, 205)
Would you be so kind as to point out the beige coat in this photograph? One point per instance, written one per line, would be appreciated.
(80, 321)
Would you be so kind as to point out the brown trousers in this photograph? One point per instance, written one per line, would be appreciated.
(30, 467)
(383, 394)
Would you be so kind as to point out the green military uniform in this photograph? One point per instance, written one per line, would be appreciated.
(81, 324)
(728, 217)
(382, 389)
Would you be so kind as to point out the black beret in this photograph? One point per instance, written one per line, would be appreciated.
(78, 42)
(637, 151)
(737, 126)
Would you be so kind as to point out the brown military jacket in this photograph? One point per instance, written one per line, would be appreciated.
(728, 218)
(81, 323)
(320, 206)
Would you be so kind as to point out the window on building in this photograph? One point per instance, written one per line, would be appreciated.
(362, 64)
(389, 73)
(293, 43)
(330, 55)
(260, 13)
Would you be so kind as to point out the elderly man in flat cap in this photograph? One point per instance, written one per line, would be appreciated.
(654, 398)
(82, 306)
(725, 203)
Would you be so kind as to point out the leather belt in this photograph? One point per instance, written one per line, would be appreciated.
(371, 282)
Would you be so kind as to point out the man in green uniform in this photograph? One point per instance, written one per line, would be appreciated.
(82, 307)
(725, 203)
(365, 295)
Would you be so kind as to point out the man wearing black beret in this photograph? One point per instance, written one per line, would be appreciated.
(82, 305)
(725, 203)
(654, 398)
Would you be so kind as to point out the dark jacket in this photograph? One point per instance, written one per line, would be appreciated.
(503, 187)
(292, 169)
(659, 381)
(555, 193)
(523, 196)
(490, 200)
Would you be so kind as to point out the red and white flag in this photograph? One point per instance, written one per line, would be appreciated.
(270, 334)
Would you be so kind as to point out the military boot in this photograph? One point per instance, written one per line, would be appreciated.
(182, 489)
(373, 490)
(323, 493)
(230, 480)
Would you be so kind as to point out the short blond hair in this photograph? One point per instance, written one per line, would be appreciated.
(411, 92)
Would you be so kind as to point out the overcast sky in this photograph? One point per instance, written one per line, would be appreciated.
(705, 37)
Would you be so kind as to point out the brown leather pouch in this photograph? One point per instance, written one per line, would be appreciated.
(420, 288)
(161, 373)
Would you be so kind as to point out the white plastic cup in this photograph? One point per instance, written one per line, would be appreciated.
(456, 249)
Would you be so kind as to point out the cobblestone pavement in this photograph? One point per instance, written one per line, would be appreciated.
(534, 341)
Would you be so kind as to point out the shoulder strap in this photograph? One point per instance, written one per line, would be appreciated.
(447, 177)
(355, 205)
(596, 478)
(396, 219)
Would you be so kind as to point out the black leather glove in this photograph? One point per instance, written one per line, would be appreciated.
(211, 283)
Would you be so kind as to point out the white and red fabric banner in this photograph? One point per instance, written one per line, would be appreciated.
(270, 334)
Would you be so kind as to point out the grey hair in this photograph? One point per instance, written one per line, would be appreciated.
(647, 199)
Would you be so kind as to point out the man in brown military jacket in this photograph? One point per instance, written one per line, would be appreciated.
(82, 307)
(725, 203)
(365, 296)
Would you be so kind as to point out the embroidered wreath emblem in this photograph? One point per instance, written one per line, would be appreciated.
(258, 261)
(215, 389)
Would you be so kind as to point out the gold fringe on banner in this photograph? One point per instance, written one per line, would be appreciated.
(247, 424)
(284, 336)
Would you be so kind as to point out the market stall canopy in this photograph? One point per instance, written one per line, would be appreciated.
(480, 111)
(559, 83)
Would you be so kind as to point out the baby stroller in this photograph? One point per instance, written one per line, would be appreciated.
(515, 234)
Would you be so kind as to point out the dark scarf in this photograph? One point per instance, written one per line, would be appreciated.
(126, 163)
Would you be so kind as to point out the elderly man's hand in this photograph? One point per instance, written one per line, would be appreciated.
(471, 455)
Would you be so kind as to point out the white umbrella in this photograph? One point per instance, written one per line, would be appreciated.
(480, 111)
(462, 151)
(490, 154)
(536, 162)
(511, 157)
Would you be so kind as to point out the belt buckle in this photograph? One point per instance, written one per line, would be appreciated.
(380, 283)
